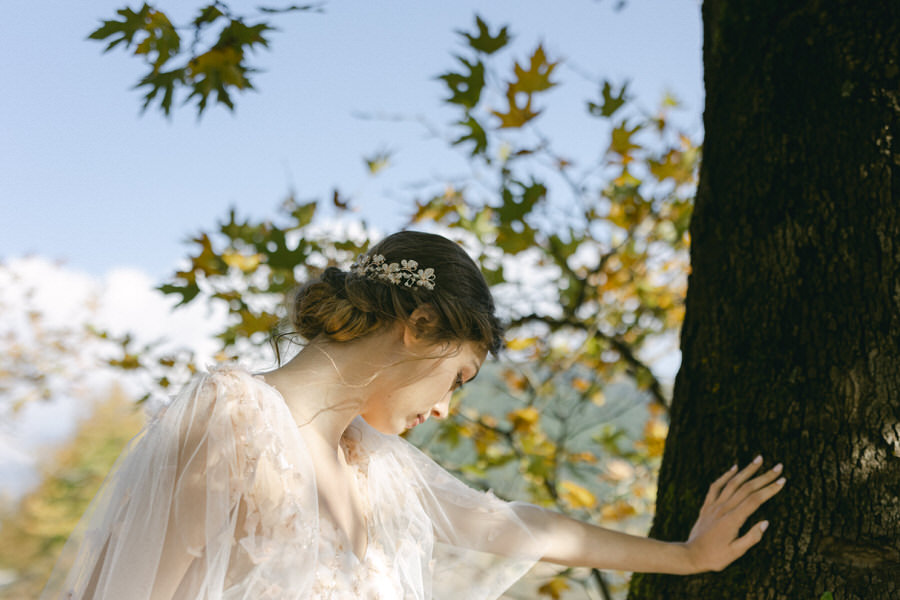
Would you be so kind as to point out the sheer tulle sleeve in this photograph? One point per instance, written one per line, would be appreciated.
(214, 499)
(477, 544)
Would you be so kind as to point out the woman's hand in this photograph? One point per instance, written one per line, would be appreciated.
(732, 498)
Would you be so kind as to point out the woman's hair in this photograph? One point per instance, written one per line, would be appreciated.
(346, 305)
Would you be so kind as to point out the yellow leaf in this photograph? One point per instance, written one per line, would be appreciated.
(517, 115)
(576, 496)
(621, 142)
(520, 343)
(554, 588)
(655, 432)
(524, 419)
(626, 179)
(240, 261)
(537, 77)
(587, 457)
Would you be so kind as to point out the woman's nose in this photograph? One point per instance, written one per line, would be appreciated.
(440, 410)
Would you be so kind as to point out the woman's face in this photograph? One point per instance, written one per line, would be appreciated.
(420, 385)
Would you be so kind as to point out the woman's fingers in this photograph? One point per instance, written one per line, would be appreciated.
(749, 539)
(752, 485)
(758, 498)
(718, 484)
(738, 478)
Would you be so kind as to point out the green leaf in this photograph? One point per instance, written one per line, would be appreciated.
(515, 207)
(611, 103)
(476, 134)
(292, 8)
(484, 42)
(131, 23)
(187, 292)
(465, 89)
(238, 34)
(161, 81)
(303, 214)
(207, 15)
(827, 596)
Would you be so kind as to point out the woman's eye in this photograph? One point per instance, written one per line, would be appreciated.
(459, 382)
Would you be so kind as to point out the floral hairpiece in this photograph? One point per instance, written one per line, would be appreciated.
(406, 273)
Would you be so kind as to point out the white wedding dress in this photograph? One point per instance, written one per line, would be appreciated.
(216, 500)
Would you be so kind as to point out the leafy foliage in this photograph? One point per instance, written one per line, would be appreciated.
(213, 63)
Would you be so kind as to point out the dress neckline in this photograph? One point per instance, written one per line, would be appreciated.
(355, 458)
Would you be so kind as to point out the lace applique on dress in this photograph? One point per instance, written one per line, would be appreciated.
(341, 574)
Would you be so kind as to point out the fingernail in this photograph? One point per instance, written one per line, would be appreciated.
(758, 459)
(733, 467)
(764, 525)
(781, 481)
(777, 468)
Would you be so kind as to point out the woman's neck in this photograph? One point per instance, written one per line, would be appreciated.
(326, 385)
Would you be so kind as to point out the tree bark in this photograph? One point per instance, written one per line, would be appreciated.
(791, 339)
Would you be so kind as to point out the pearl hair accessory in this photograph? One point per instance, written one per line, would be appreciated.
(406, 273)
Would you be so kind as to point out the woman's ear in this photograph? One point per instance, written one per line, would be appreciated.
(422, 322)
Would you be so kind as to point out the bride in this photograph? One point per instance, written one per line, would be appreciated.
(294, 484)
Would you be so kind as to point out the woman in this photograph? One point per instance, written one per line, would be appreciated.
(294, 484)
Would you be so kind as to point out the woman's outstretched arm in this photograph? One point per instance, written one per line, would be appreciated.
(712, 545)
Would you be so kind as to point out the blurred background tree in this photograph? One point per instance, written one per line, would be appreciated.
(587, 257)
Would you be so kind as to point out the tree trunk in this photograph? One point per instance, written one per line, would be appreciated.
(791, 339)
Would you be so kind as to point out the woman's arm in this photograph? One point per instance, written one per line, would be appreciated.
(712, 545)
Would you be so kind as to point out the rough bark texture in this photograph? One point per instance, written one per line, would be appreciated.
(791, 340)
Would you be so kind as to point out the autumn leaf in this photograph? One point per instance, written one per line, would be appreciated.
(554, 588)
(476, 134)
(485, 42)
(465, 89)
(252, 323)
(621, 142)
(378, 161)
(340, 202)
(675, 165)
(520, 343)
(516, 115)
(302, 213)
(524, 419)
(243, 262)
(581, 384)
(617, 511)
(576, 496)
(207, 261)
(537, 77)
(610, 102)
(125, 30)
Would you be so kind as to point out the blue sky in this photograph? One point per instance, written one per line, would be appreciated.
(86, 179)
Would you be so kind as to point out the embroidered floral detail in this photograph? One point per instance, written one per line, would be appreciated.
(406, 273)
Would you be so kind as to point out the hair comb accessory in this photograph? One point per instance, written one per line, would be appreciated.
(405, 273)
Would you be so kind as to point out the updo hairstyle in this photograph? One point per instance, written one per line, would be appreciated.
(344, 306)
